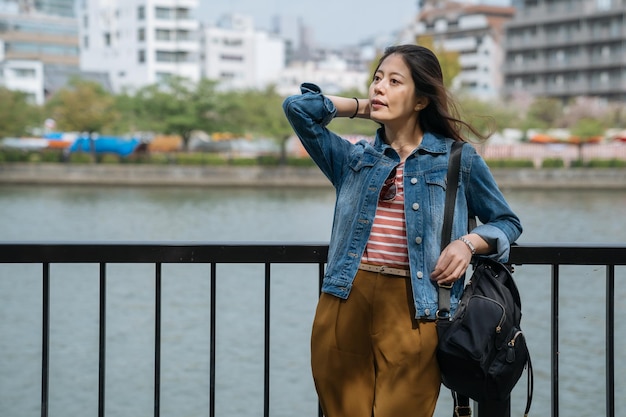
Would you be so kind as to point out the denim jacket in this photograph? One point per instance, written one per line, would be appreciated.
(358, 171)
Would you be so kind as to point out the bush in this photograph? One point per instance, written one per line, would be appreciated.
(552, 163)
(300, 162)
(14, 155)
(80, 158)
(51, 156)
(243, 162)
(268, 160)
(198, 158)
(154, 158)
(606, 163)
(109, 158)
(510, 163)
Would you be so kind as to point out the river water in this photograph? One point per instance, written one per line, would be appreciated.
(254, 215)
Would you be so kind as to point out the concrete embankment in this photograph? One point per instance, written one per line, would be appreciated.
(256, 176)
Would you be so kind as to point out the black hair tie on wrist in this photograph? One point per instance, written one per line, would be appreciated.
(357, 108)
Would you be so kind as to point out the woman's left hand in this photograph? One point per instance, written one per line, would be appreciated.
(452, 263)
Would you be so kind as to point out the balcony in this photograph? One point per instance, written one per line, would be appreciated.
(556, 260)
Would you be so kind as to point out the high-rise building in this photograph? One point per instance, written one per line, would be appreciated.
(139, 42)
(476, 32)
(30, 43)
(49, 39)
(567, 48)
(65, 8)
(240, 57)
(54, 7)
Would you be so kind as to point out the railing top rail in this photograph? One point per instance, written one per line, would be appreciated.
(568, 254)
(270, 252)
(163, 252)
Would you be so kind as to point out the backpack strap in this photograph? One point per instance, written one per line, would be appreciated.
(452, 183)
(461, 402)
(461, 405)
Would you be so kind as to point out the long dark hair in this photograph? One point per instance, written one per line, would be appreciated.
(440, 115)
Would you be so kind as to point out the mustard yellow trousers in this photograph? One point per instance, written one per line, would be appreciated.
(369, 356)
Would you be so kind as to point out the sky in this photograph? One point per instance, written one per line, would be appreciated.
(334, 22)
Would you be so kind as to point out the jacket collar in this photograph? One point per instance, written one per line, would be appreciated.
(431, 143)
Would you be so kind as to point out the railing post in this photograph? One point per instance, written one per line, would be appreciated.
(102, 343)
(157, 341)
(610, 340)
(555, 340)
(45, 341)
(212, 342)
(266, 345)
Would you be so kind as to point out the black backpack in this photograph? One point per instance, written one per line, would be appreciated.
(482, 350)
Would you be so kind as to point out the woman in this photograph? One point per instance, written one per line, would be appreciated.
(374, 339)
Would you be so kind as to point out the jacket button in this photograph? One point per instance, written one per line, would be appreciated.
(418, 240)
(416, 206)
(420, 274)
(413, 180)
(427, 311)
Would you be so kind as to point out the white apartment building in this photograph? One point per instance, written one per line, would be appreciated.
(476, 32)
(139, 42)
(239, 57)
(23, 75)
(332, 76)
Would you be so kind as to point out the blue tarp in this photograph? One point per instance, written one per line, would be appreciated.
(54, 135)
(106, 144)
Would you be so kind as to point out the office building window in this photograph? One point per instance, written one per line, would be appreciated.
(162, 77)
(24, 73)
(141, 56)
(163, 35)
(141, 34)
(141, 13)
(163, 13)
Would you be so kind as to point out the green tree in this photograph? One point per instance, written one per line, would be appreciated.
(126, 105)
(177, 106)
(258, 113)
(17, 115)
(83, 106)
(585, 130)
(543, 113)
(487, 117)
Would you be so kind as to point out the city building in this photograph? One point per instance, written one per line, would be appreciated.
(332, 75)
(139, 42)
(476, 32)
(53, 7)
(567, 48)
(65, 8)
(45, 38)
(30, 42)
(238, 56)
(24, 75)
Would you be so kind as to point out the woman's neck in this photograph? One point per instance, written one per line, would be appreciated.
(404, 141)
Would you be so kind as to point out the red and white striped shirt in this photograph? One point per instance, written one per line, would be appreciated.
(387, 242)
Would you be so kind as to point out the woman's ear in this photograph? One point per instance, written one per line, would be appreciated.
(421, 104)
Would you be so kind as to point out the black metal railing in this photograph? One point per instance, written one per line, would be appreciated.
(555, 255)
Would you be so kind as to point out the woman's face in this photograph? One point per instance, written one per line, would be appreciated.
(392, 92)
